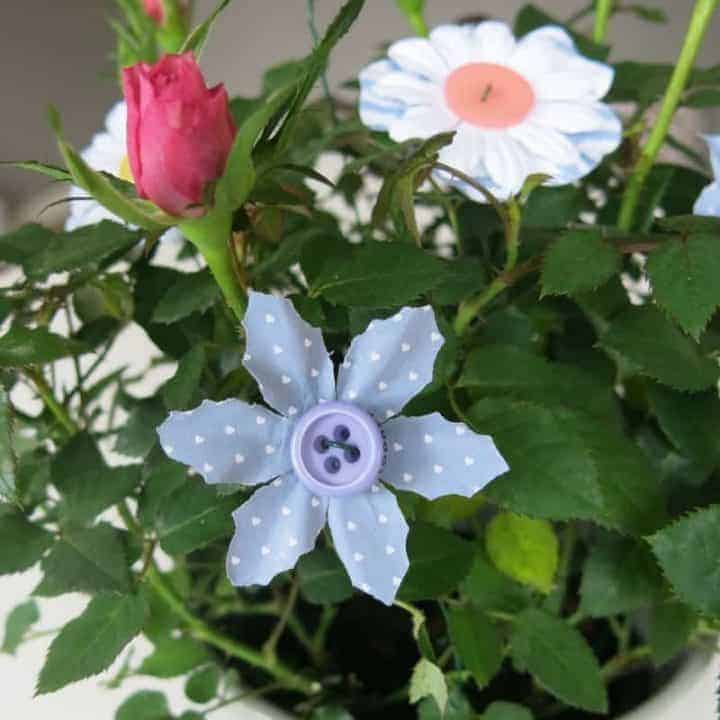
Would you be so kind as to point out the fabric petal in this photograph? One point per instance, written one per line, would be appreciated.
(286, 356)
(422, 122)
(713, 143)
(418, 55)
(546, 143)
(391, 362)
(577, 84)
(433, 457)
(708, 202)
(228, 442)
(453, 43)
(408, 88)
(507, 164)
(575, 117)
(493, 41)
(277, 525)
(370, 536)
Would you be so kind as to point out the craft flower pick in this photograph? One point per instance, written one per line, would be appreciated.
(518, 106)
(331, 451)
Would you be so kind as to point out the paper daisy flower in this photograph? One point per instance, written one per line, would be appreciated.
(107, 152)
(330, 451)
(709, 201)
(518, 107)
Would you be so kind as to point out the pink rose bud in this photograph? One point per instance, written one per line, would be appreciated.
(155, 10)
(179, 132)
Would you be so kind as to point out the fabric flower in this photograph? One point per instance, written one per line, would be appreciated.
(709, 201)
(155, 10)
(330, 451)
(106, 153)
(518, 107)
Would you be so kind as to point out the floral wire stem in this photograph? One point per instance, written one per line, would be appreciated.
(603, 11)
(270, 647)
(699, 23)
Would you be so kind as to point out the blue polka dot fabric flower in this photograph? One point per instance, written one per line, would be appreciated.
(331, 450)
(517, 106)
(709, 201)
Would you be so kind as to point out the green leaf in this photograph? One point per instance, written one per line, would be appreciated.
(691, 422)
(8, 460)
(458, 708)
(196, 40)
(550, 207)
(427, 680)
(163, 479)
(52, 171)
(506, 711)
(22, 544)
(22, 346)
(489, 589)
(578, 261)
(684, 276)
(106, 190)
(508, 371)
(620, 576)
(144, 705)
(525, 549)
(178, 392)
(377, 275)
(20, 246)
(671, 627)
(193, 292)
(323, 578)
(91, 560)
(202, 686)
(173, 657)
(477, 643)
(687, 552)
(193, 516)
(88, 645)
(87, 485)
(653, 346)
(559, 659)
(531, 18)
(18, 622)
(439, 562)
(414, 11)
(85, 246)
(565, 465)
(702, 99)
(138, 436)
(331, 712)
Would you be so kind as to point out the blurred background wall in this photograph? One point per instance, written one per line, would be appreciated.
(57, 51)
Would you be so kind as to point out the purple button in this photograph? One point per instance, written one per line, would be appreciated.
(337, 449)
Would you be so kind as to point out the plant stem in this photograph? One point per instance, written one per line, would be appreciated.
(615, 666)
(699, 23)
(212, 236)
(46, 394)
(283, 674)
(603, 11)
(470, 309)
(270, 647)
(312, 27)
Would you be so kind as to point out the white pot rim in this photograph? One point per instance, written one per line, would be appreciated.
(689, 693)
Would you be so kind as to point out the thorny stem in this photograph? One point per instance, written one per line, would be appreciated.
(47, 396)
(470, 309)
(270, 647)
(288, 677)
(699, 23)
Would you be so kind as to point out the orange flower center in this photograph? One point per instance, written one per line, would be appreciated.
(489, 95)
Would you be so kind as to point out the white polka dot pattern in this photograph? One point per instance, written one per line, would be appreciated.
(228, 442)
(391, 362)
(439, 457)
(286, 356)
(370, 536)
(277, 525)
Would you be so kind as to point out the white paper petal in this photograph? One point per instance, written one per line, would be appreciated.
(391, 362)
(228, 442)
(575, 117)
(286, 355)
(546, 143)
(422, 122)
(433, 457)
(408, 88)
(370, 536)
(277, 525)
